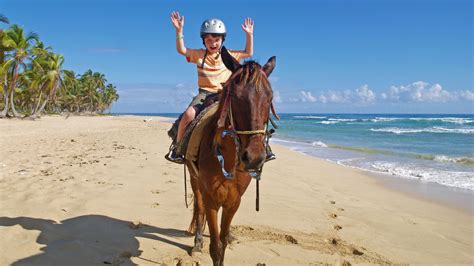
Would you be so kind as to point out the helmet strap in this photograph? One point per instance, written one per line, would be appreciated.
(205, 54)
(204, 59)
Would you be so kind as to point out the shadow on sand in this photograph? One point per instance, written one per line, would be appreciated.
(90, 240)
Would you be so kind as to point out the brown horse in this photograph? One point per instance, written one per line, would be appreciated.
(231, 151)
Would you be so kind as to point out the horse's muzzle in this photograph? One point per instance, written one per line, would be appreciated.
(252, 160)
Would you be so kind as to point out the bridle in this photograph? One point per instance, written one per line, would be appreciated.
(231, 131)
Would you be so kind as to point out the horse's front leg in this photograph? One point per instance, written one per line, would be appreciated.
(227, 215)
(215, 248)
(198, 222)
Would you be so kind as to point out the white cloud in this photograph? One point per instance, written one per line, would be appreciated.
(361, 95)
(306, 96)
(336, 96)
(418, 91)
(365, 95)
(437, 94)
(466, 95)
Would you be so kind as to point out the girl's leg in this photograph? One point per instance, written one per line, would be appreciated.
(188, 116)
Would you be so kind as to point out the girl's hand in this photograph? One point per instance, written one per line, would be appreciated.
(178, 21)
(248, 26)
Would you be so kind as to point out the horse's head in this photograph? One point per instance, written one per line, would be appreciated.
(246, 100)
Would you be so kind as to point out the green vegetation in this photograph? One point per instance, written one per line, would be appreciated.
(33, 81)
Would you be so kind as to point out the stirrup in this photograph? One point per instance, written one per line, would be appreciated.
(270, 156)
(173, 157)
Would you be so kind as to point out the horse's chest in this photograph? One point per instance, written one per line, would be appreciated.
(226, 192)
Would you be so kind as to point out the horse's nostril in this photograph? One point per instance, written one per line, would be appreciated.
(244, 157)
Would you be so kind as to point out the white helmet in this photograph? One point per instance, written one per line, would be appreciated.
(213, 26)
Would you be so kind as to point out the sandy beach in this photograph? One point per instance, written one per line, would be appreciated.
(97, 191)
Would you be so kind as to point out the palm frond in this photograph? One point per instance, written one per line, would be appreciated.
(4, 19)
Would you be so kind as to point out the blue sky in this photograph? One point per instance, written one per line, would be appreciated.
(366, 56)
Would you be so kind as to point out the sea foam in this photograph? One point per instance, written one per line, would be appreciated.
(443, 130)
(447, 178)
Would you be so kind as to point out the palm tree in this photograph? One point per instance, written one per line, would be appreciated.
(2, 49)
(93, 83)
(51, 79)
(2, 60)
(20, 45)
(34, 74)
(100, 83)
(47, 78)
(109, 96)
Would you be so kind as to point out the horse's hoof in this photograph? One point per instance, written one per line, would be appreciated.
(196, 250)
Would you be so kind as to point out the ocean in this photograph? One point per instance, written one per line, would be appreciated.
(427, 148)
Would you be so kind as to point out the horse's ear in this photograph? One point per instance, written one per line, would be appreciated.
(269, 66)
(229, 60)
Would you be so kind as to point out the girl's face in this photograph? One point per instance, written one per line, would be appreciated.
(213, 42)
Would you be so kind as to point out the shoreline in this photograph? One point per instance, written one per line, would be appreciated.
(453, 197)
(450, 196)
(85, 180)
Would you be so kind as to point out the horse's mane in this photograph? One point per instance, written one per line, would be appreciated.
(249, 72)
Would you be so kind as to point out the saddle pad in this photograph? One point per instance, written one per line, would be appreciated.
(195, 140)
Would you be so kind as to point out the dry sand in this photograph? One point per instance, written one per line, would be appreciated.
(97, 191)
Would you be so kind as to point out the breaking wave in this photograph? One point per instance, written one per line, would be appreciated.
(442, 130)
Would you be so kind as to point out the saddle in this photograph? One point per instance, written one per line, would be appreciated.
(191, 150)
(189, 145)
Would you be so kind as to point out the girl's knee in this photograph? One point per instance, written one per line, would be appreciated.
(190, 113)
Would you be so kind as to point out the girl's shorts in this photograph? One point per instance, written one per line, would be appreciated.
(198, 101)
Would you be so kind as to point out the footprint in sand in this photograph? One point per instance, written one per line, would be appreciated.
(357, 252)
(337, 227)
(333, 215)
(66, 179)
(47, 172)
(334, 241)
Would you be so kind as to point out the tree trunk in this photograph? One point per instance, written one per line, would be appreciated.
(40, 111)
(12, 103)
(12, 92)
(33, 111)
(4, 113)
